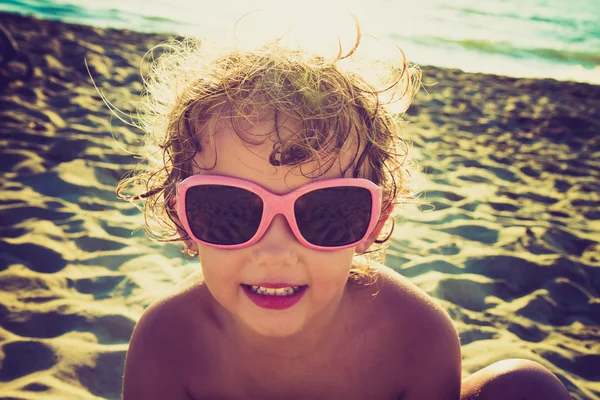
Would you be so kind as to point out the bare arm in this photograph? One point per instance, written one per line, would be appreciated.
(427, 351)
(436, 372)
(154, 359)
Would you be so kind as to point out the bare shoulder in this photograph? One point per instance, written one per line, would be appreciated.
(173, 311)
(426, 347)
(403, 298)
(403, 301)
(159, 351)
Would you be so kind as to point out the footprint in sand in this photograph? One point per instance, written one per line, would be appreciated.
(562, 185)
(471, 292)
(37, 324)
(431, 170)
(411, 271)
(111, 328)
(98, 286)
(504, 207)
(15, 214)
(476, 333)
(586, 366)
(565, 242)
(433, 194)
(120, 229)
(438, 205)
(449, 248)
(558, 214)
(521, 276)
(474, 178)
(541, 308)
(105, 378)
(36, 387)
(112, 262)
(21, 161)
(592, 214)
(11, 232)
(36, 257)
(568, 294)
(108, 329)
(530, 171)
(527, 330)
(68, 184)
(538, 198)
(96, 244)
(64, 150)
(473, 232)
(101, 286)
(25, 357)
(585, 203)
(505, 174)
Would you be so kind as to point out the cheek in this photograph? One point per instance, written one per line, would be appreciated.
(331, 272)
(220, 268)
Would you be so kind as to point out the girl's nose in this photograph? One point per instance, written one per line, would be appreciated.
(278, 245)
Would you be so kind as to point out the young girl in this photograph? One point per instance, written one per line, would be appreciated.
(278, 169)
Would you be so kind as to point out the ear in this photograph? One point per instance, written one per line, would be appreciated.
(188, 243)
(385, 214)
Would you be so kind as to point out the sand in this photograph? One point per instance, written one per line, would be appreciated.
(509, 246)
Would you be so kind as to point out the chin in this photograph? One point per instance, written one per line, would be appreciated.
(275, 327)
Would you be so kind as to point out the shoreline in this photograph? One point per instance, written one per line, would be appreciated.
(529, 64)
(161, 36)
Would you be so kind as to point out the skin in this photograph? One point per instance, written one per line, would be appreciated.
(207, 340)
(277, 258)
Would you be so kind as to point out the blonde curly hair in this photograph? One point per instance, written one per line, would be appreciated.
(192, 85)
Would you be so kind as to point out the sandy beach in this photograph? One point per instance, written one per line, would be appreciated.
(509, 246)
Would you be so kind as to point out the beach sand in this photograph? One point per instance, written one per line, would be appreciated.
(509, 246)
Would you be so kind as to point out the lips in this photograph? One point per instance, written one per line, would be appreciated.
(273, 301)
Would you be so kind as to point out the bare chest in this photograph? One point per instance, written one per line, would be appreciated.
(340, 377)
(361, 369)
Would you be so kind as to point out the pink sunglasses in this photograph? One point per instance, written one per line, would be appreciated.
(231, 213)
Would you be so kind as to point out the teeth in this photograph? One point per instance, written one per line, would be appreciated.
(287, 291)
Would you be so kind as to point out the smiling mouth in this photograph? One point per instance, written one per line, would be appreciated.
(275, 291)
(271, 291)
(280, 298)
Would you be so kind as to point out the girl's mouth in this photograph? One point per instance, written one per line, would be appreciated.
(274, 298)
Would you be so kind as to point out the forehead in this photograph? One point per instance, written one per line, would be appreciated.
(242, 148)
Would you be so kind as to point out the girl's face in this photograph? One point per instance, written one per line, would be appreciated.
(278, 257)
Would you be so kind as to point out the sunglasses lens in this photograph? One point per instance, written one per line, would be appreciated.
(223, 215)
(333, 217)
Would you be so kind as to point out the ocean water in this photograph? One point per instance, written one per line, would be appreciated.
(525, 38)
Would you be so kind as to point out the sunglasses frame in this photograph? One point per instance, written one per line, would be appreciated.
(274, 204)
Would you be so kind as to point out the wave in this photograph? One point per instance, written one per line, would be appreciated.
(152, 18)
(588, 59)
(46, 8)
(113, 17)
(585, 17)
(536, 18)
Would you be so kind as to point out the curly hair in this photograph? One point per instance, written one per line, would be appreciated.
(193, 85)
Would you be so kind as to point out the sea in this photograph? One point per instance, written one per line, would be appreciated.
(557, 39)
